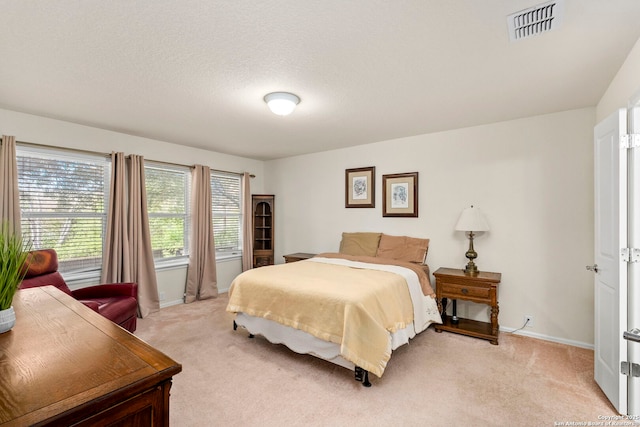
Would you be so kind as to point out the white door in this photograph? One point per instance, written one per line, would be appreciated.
(611, 276)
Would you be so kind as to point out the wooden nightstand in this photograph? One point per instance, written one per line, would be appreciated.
(298, 256)
(454, 284)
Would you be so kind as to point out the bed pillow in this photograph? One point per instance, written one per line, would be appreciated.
(403, 248)
(360, 243)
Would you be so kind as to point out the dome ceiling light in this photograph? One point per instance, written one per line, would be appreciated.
(281, 103)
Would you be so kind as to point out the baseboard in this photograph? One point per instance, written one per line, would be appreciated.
(547, 338)
(166, 304)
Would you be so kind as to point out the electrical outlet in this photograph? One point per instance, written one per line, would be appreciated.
(161, 296)
(528, 320)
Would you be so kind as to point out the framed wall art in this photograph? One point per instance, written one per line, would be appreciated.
(360, 188)
(400, 195)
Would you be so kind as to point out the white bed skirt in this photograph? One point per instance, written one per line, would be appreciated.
(305, 343)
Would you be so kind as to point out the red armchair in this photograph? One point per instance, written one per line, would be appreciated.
(117, 302)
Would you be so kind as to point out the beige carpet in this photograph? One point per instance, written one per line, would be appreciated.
(438, 379)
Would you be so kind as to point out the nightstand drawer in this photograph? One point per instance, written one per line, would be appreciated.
(452, 290)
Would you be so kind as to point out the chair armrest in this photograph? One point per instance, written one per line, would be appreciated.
(107, 290)
(92, 305)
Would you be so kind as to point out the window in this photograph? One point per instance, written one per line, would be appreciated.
(64, 198)
(226, 206)
(63, 202)
(168, 205)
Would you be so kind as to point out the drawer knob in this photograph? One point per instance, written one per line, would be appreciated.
(465, 291)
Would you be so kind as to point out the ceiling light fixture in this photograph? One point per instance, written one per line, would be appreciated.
(281, 103)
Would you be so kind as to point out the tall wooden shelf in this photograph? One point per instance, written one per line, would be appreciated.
(263, 221)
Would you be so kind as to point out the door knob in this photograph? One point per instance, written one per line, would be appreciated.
(593, 268)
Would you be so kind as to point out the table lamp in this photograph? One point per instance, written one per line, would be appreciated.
(471, 220)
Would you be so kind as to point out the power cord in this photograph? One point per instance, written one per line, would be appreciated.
(526, 322)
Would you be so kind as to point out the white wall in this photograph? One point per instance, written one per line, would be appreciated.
(625, 84)
(40, 130)
(533, 179)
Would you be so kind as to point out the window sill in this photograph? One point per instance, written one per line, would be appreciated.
(184, 262)
(172, 264)
(228, 257)
(89, 277)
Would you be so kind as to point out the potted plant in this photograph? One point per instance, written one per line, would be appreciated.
(13, 254)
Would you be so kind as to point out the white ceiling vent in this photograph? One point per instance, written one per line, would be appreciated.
(535, 20)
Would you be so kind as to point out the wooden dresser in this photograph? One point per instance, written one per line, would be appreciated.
(64, 364)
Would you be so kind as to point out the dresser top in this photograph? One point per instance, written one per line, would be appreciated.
(61, 354)
(485, 276)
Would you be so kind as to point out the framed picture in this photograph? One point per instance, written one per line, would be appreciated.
(400, 194)
(360, 188)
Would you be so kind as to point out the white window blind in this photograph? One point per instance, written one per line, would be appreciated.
(226, 202)
(168, 206)
(63, 203)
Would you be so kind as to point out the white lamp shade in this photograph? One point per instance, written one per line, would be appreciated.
(472, 219)
(281, 103)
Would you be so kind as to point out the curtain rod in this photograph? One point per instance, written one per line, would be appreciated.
(108, 155)
(191, 166)
(75, 150)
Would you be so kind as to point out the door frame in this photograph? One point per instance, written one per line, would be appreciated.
(633, 281)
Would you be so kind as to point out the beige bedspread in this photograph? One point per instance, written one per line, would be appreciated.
(353, 307)
(422, 270)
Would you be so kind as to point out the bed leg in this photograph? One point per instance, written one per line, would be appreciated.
(366, 382)
(235, 328)
(362, 375)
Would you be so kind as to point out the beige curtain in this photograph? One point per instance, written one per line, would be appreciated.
(116, 260)
(143, 267)
(9, 193)
(247, 223)
(201, 276)
(128, 256)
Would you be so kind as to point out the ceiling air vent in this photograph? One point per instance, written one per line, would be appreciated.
(535, 20)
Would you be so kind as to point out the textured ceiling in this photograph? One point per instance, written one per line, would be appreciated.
(194, 72)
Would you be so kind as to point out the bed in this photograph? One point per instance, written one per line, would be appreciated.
(352, 308)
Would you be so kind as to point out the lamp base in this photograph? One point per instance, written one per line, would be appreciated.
(471, 269)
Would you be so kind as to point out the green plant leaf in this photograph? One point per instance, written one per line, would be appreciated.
(13, 255)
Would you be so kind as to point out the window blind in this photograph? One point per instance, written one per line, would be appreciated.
(168, 207)
(226, 206)
(63, 203)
